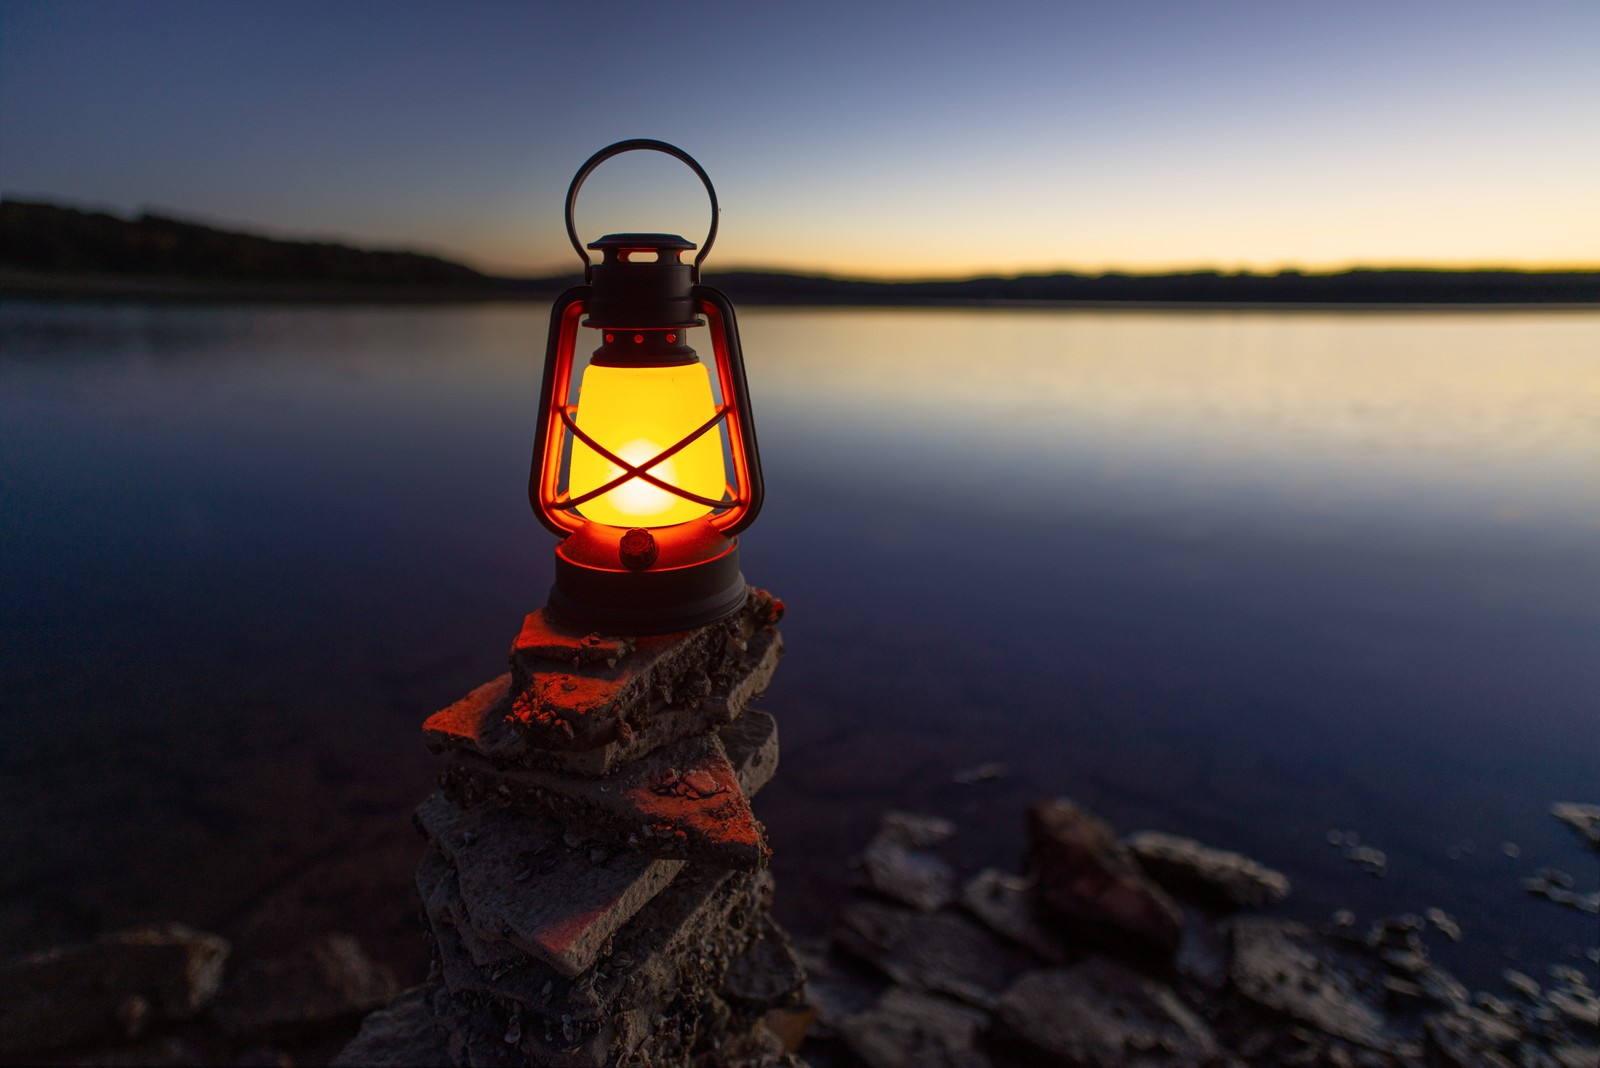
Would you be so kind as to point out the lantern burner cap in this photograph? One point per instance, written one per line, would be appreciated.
(640, 283)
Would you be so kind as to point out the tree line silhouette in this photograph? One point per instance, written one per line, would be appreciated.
(52, 239)
(50, 248)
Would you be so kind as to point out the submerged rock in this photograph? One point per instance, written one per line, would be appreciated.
(1555, 885)
(1444, 923)
(836, 987)
(1005, 904)
(1091, 881)
(113, 986)
(939, 953)
(985, 772)
(897, 864)
(1204, 955)
(1215, 878)
(1584, 819)
(908, 1029)
(326, 978)
(1467, 1037)
(1283, 967)
(1101, 1014)
(1576, 1004)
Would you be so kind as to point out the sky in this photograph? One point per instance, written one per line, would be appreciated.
(924, 139)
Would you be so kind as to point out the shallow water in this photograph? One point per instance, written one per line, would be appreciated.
(1250, 576)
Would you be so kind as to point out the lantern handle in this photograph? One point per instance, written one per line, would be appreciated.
(617, 149)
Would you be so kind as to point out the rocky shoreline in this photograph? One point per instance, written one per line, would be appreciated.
(1109, 952)
(1103, 951)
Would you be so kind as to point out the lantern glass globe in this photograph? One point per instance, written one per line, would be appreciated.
(637, 413)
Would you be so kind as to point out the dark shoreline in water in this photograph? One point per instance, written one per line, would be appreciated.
(57, 252)
(766, 291)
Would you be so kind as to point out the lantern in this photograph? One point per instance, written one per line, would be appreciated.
(649, 470)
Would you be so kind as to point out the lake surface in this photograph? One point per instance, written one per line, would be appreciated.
(1248, 576)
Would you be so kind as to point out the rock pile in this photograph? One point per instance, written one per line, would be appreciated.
(1112, 953)
(595, 885)
(168, 994)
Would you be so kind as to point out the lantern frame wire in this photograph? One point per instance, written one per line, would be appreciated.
(642, 471)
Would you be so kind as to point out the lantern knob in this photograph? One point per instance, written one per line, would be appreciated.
(638, 550)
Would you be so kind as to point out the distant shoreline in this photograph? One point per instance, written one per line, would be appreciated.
(122, 287)
(49, 251)
(27, 285)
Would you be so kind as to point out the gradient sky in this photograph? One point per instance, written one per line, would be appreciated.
(921, 139)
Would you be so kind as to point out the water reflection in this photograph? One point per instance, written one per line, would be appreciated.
(1316, 405)
(1243, 576)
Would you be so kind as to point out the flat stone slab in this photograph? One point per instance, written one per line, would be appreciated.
(677, 948)
(908, 1029)
(1215, 878)
(681, 802)
(767, 975)
(440, 890)
(476, 1033)
(114, 985)
(1101, 1014)
(1283, 967)
(586, 704)
(941, 952)
(519, 882)
(488, 1034)
(751, 742)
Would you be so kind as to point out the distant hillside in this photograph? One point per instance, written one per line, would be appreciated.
(46, 239)
(50, 250)
(1358, 286)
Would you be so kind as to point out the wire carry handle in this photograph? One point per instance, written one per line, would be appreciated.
(633, 145)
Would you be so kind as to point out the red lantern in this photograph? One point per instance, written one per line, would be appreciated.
(649, 471)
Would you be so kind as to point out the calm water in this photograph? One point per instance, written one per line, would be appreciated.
(1246, 576)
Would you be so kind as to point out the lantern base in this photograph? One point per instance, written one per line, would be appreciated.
(694, 580)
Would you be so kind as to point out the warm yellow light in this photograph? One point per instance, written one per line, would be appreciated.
(636, 413)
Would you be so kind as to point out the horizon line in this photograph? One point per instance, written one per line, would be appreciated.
(838, 274)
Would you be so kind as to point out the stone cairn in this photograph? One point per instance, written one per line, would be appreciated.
(595, 886)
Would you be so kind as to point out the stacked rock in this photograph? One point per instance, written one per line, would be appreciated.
(594, 884)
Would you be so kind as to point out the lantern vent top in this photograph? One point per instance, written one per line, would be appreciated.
(640, 283)
(622, 245)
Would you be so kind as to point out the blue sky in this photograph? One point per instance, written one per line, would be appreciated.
(913, 139)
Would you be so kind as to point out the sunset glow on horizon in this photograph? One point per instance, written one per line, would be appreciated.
(880, 141)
